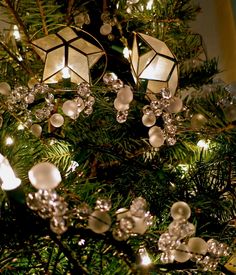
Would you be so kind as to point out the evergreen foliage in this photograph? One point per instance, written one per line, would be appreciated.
(115, 160)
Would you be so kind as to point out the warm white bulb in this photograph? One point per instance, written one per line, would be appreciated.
(126, 52)
(7, 176)
(65, 72)
(149, 5)
(9, 141)
(16, 32)
(145, 259)
(20, 127)
(203, 144)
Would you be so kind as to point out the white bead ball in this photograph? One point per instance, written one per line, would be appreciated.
(198, 121)
(140, 226)
(44, 175)
(125, 94)
(155, 130)
(180, 210)
(176, 104)
(156, 139)
(99, 222)
(36, 130)
(148, 120)
(57, 120)
(197, 246)
(106, 29)
(119, 106)
(180, 255)
(230, 113)
(69, 108)
(5, 88)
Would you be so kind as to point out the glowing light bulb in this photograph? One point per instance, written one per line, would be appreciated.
(126, 52)
(203, 144)
(145, 259)
(7, 176)
(16, 32)
(149, 5)
(20, 127)
(65, 72)
(9, 141)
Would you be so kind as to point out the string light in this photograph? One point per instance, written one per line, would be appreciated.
(149, 5)
(20, 127)
(203, 144)
(7, 176)
(16, 32)
(126, 52)
(9, 141)
(65, 73)
(145, 259)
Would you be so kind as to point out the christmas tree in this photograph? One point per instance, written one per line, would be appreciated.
(117, 149)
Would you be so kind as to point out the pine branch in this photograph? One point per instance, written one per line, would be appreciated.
(18, 20)
(42, 13)
(16, 59)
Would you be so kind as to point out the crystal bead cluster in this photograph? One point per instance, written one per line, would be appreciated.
(83, 102)
(134, 220)
(124, 96)
(45, 177)
(108, 23)
(178, 245)
(165, 106)
(49, 205)
(19, 99)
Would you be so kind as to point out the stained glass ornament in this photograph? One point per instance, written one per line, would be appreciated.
(72, 48)
(152, 60)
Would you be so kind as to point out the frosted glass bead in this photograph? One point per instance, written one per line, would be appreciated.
(180, 210)
(44, 175)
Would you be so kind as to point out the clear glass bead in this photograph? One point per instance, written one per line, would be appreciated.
(155, 104)
(121, 116)
(45, 212)
(88, 110)
(39, 114)
(49, 98)
(147, 110)
(127, 224)
(148, 220)
(108, 78)
(167, 257)
(32, 202)
(167, 117)
(158, 112)
(83, 211)
(103, 204)
(138, 207)
(165, 92)
(212, 246)
(171, 140)
(58, 225)
(117, 84)
(181, 229)
(29, 98)
(90, 101)
(165, 102)
(170, 129)
(59, 207)
(167, 242)
(119, 235)
(83, 89)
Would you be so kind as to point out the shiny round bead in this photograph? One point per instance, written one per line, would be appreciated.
(180, 210)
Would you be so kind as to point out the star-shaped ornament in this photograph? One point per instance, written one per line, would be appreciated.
(151, 59)
(68, 50)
